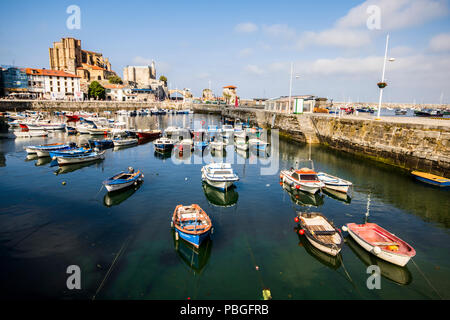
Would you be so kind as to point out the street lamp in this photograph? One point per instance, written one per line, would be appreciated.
(290, 85)
(382, 84)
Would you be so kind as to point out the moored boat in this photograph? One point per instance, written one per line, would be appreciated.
(163, 144)
(334, 183)
(149, 134)
(381, 243)
(123, 180)
(304, 179)
(431, 179)
(93, 156)
(219, 175)
(320, 232)
(191, 224)
(69, 152)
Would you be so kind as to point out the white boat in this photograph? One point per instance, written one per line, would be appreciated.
(304, 179)
(45, 126)
(163, 144)
(240, 135)
(185, 144)
(219, 175)
(29, 134)
(241, 144)
(334, 183)
(120, 142)
(64, 160)
(55, 146)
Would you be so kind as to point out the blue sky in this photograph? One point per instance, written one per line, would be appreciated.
(251, 44)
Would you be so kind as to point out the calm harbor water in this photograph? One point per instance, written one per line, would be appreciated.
(125, 248)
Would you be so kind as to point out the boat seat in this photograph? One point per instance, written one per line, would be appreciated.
(201, 227)
(386, 244)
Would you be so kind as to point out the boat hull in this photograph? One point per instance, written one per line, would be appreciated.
(195, 240)
(306, 187)
(222, 185)
(72, 160)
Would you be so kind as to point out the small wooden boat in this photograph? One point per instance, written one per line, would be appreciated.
(33, 149)
(334, 183)
(163, 144)
(431, 179)
(149, 134)
(304, 179)
(320, 232)
(123, 180)
(101, 144)
(93, 156)
(381, 243)
(219, 175)
(69, 152)
(125, 142)
(191, 223)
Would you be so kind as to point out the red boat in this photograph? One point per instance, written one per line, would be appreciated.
(72, 118)
(149, 134)
(381, 243)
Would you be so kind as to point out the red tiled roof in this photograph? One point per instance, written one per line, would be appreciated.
(114, 86)
(230, 87)
(93, 67)
(45, 72)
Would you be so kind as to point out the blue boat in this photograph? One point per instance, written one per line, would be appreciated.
(191, 224)
(123, 180)
(102, 144)
(69, 152)
(431, 179)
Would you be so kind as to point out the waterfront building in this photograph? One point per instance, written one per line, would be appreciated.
(259, 101)
(140, 76)
(230, 95)
(14, 81)
(299, 104)
(207, 95)
(53, 84)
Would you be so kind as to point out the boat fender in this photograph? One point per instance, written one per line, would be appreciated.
(176, 236)
(212, 230)
(301, 232)
(376, 250)
(297, 187)
(344, 228)
(296, 219)
(171, 224)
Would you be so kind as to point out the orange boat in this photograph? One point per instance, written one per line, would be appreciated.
(191, 223)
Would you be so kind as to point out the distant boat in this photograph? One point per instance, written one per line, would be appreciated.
(149, 134)
(365, 109)
(163, 144)
(219, 175)
(258, 144)
(381, 243)
(241, 144)
(401, 112)
(431, 179)
(123, 180)
(428, 113)
(334, 183)
(70, 152)
(102, 144)
(304, 179)
(320, 232)
(191, 224)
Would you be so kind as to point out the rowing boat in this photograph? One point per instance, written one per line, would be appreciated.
(191, 223)
(93, 156)
(431, 179)
(334, 183)
(123, 180)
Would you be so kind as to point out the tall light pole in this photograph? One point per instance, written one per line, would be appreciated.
(290, 86)
(382, 76)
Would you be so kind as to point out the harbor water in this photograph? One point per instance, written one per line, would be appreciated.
(52, 218)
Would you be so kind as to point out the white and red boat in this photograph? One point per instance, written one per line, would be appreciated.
(381, 243)
(304, 179)
(149, 134)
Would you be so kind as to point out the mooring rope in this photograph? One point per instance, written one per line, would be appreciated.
(124, 245)
(428, 281)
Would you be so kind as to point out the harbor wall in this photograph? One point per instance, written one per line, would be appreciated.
(421, 144)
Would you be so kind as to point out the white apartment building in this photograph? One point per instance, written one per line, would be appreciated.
(54, 84)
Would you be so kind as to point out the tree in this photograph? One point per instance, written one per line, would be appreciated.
(96, 90)
(115, 80)
(164, 79)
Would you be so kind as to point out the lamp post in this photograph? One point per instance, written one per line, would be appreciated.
(290, 85)
(382, 84)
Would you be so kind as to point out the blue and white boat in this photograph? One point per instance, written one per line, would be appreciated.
(164, 144)
(191, 224)
(44, 151)
(54, 146)
(123, 180)
(69, 152)
(80, 158)
(334, 183)
(219, 175)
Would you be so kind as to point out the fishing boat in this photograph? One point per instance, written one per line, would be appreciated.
(101, 144)
(219, 175)
(304, 179)
(123, 140)
(241, 144)
(431, 179)
(320, 232)
(149, 134)
(258, 144)
(334, 183)
(29, 134)
(32, 149)
(93, 156)
(123, 180)
(43, 151)
(381, 243)
(45, 126)
(69, 152)
(163, 144)
(185, 145)
(400, 112)
(71, 130)
(191, 224)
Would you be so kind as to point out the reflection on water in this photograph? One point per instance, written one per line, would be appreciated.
(42, 161)
(344, 197)
(117, 197)
(76, 166)
(303, 198)
(397, 274)
(195, 258)
(162, 155)
(221, 198)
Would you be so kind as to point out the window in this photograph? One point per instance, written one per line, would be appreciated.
(59, 89)
(295, 176)
(65, 78)
(72, 84)
(73, 90)
(58, 84)
(51, 83)
(65, 84)
(99, 78)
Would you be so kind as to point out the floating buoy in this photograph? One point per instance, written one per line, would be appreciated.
(63, 183)
(296, 219)
(301, 232)
(266, 294)
(176, 236)
(297, 187)
(257, 268)
(344, 228)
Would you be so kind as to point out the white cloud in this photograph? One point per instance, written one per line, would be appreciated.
(253, 70)
(440, 42)
(245, 52)
(246, 27)
(279, 30)
(395, 14)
